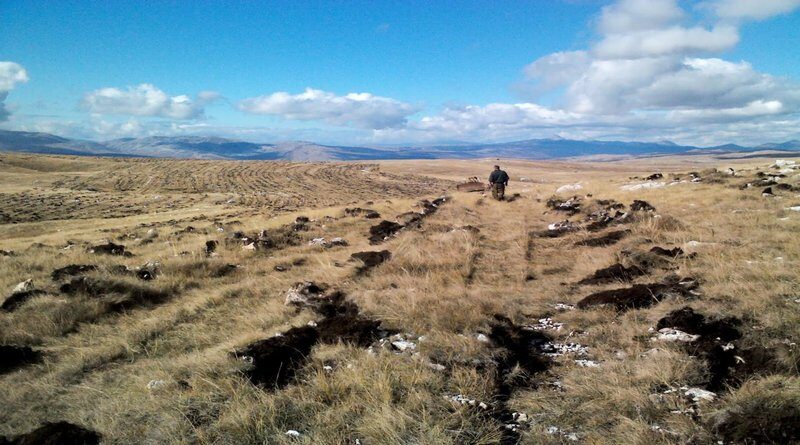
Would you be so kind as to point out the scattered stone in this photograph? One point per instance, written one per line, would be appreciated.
(546, 323)
(154, 385)
(643, 186)
(148, 271)
(14, 357)
(58, 433)
(322, 242)
(699, 395)
(571, 206)
(292, 433)
(305, 294)
(563, 307)
(728, 364)
(654, 177)
(557, 229)
(669, 334)
(569, 188)
(24, 286)
(559, 349)
(583, 363)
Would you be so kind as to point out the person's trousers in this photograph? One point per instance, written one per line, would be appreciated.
(498, 191)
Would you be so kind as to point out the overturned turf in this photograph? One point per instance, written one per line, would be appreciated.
(17, 299)
(118, 295)
(275, 361)
(728, 362)
(383, 231)
(517, 349)
(608, 239)
(14, 357)
(675, 252)
(371, 260)
(58, 433)
(640, 295)
(615, 272)
(71, 271)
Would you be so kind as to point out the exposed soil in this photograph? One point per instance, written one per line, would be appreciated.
(570, 206)
(358, 211)
(517, 349)
(13, 357)
(118, 295)
(608, 239)
(675, 252)
(71, 271)
(58, 433)
(761, 423)
(276, 360)
(641, 206)
(640, 295)
(17, 299)
(729, 364)
(371, 260)
(355, 329)
(382, 231)
(615, 272)
(110, 249)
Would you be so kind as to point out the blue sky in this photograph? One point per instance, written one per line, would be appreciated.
(700, 72)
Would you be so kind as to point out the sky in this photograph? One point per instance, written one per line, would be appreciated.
(703, 72)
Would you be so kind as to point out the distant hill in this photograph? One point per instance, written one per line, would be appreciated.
(197, 147)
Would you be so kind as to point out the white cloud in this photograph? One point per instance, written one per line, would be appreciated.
(638, 15)
(667, 41)
(146, 100)
(650, 74)
(753, 9)
(361, 110)
(11, 74)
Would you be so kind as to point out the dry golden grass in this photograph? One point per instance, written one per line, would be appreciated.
(441, 284)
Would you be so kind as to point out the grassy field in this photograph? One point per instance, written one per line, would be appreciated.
(475, 328)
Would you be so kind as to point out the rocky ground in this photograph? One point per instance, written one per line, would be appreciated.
(603, 302)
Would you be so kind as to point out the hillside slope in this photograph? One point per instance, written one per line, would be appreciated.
(389, 319)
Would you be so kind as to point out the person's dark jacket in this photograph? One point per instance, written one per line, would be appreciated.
(498, 177)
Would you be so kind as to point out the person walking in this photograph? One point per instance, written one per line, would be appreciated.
(498, 180)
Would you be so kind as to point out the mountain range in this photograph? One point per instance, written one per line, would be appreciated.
(197, 147)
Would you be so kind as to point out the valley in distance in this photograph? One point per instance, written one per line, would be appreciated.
(648, 299)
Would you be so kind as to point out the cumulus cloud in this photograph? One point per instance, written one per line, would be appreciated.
(653, 71)
(362, 110)
(11, 74)
(667, 41)
(752, 9)
(146, 100)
